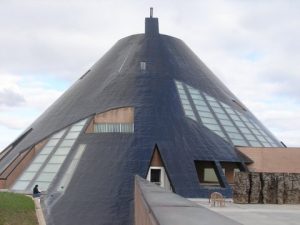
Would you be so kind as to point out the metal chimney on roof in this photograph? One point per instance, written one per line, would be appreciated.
(151, 25)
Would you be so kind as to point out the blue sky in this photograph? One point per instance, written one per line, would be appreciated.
(252, 46)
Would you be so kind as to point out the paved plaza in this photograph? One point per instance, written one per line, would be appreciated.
(257, 214)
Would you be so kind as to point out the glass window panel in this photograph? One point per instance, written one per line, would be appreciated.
(62, 151)
(48, 177)
(76, 128)
(225, 106)
(214, 104)
(256, 125)
(69, 173)
(124, 128)
(96, 128)
(179, 87)
(188, 110)
(192, 117)
(116, 128)
(199, 102)
(132, 128)
(185, 101)
(72, 135)
(235, 117)
(269, 139)
(222, 116)
(230, 129)
(197, 96)
(220, 133)
(239, 123)
(181, 92)
(210, 175)
(67, 143)
(210, 98)
(189, 113)
(202, 108)
(46, 150)
(57, 159)
(255, 131)
(251, 126)
(237, 112)
(100, 128)
(244, 130)
(206, 114)
(266, 144)
(58, 135)
(218, 110)
(244, 119)
(255, 144)
(226, 122)
(250, 137)
(108, 128)
(261, 138)
(52, 168)
(52, 142)
(263, 132)
(27, 176)
(248, 123)
(40, 158)
(20, 185)
(239, 142)
(213, 127)
(119, 127)
(178, 83)
(233, 135)
(81, 123)
(183, 97)
(187, 107)
(206, 120)
(34, 167)
(230, 111)
(253, 123)
(193, 90)
(127, 128)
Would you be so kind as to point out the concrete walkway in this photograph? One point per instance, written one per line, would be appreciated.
(257, 214)
(39, 211)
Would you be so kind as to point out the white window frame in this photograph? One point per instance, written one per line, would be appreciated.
(162, 175)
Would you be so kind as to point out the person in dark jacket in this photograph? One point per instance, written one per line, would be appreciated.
(36, 192)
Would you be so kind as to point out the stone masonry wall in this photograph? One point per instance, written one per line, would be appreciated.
(266, 188)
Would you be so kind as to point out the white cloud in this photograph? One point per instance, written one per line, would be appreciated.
(252, 46)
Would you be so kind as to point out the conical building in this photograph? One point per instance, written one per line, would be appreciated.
(150, 107)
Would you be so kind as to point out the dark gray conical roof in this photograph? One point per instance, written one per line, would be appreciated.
(101, 190)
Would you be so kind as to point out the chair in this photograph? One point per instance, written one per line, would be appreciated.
(216, 199)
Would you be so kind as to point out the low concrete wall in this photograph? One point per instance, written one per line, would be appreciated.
(155, 206)
(266, 188)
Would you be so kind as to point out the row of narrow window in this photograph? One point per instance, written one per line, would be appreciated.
(219, 117)
(113, 128)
